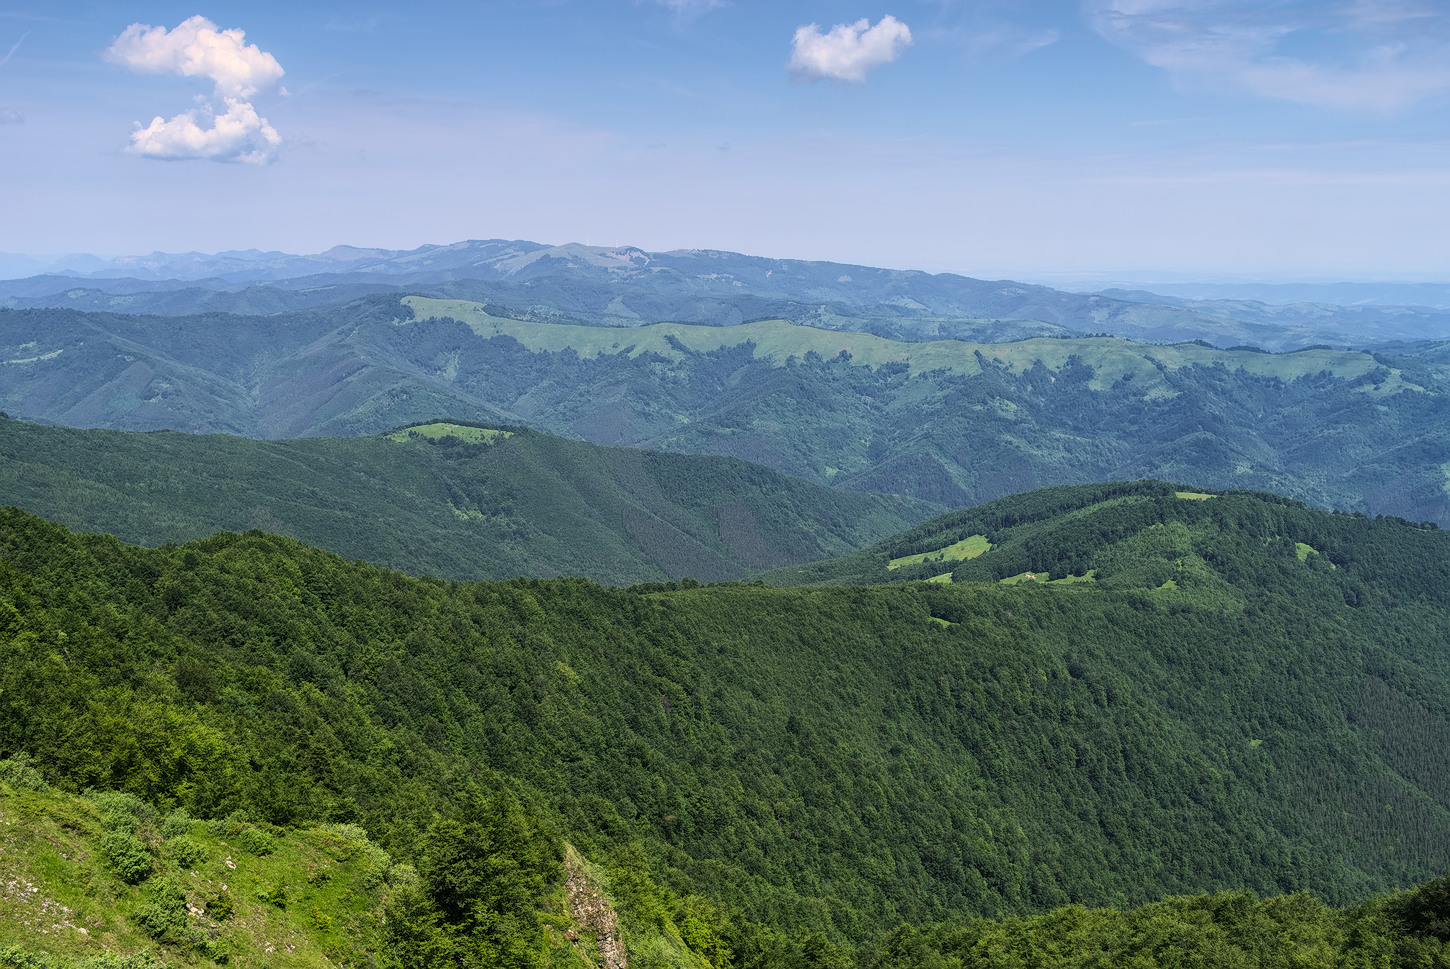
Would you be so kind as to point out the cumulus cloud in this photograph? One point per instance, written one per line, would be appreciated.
(1368, 55)
(11, 116)
(847, 51)
(224, 127)
(237, 134)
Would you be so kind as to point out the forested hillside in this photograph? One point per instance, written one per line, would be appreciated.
(450, 500)
(945, 422)
(1247, 694)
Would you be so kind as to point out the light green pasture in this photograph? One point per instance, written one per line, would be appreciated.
(436, 432)
(968, 548)
(779, 340)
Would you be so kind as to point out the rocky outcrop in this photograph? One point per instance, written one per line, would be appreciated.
(591, 913)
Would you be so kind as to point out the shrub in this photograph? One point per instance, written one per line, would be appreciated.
(163, 914)
(273, 895)
(184, 851)
(120, 810)
(256, 842)
(20, 773)
(141, 960)
(13, 957)
(320, 920)
(178, 822)
(221, 905)
(127, 856)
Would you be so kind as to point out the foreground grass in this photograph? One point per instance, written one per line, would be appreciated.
(250, 894)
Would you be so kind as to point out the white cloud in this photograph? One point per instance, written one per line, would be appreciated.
(11, 116)
(847, 51)
(225, 127)
(197, 49)
(1362, 55)
(238, 134)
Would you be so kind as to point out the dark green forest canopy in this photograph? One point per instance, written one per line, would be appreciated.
(824, 759)
(1071, 531)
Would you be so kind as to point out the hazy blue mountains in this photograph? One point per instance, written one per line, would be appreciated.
(625, 286)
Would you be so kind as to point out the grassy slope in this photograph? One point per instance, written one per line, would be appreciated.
(777, 340)
(524, 504)
(63, 897)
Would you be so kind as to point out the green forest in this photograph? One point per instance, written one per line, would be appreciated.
(946, 422)
(1224, 745)
(426, 500)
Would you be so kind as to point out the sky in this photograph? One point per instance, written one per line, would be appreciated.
(1030, 139)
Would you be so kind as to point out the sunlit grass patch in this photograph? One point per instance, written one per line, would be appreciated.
(463, 432)
(968, 548)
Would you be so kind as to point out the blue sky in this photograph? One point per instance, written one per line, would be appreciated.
(1179, 139)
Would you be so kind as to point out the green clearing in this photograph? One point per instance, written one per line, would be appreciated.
(944, 579)
(968, 548)
(442, 429)
(1194, 495)
(1039, 577)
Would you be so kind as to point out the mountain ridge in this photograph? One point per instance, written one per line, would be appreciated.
(457, 501)
(626, 286)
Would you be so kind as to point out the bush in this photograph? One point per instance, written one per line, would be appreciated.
(141, 960)
(127, 856)
(221, 905)
(256, 842)
(163, 914)
(13, 957)
(184, 851)
(20, 773)
(273, 895)
(120, 810)
(320, 920)
(178, 822)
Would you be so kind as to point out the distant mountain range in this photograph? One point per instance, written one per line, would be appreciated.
(625, 286)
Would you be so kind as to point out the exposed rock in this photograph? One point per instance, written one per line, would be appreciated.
(591, 911)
